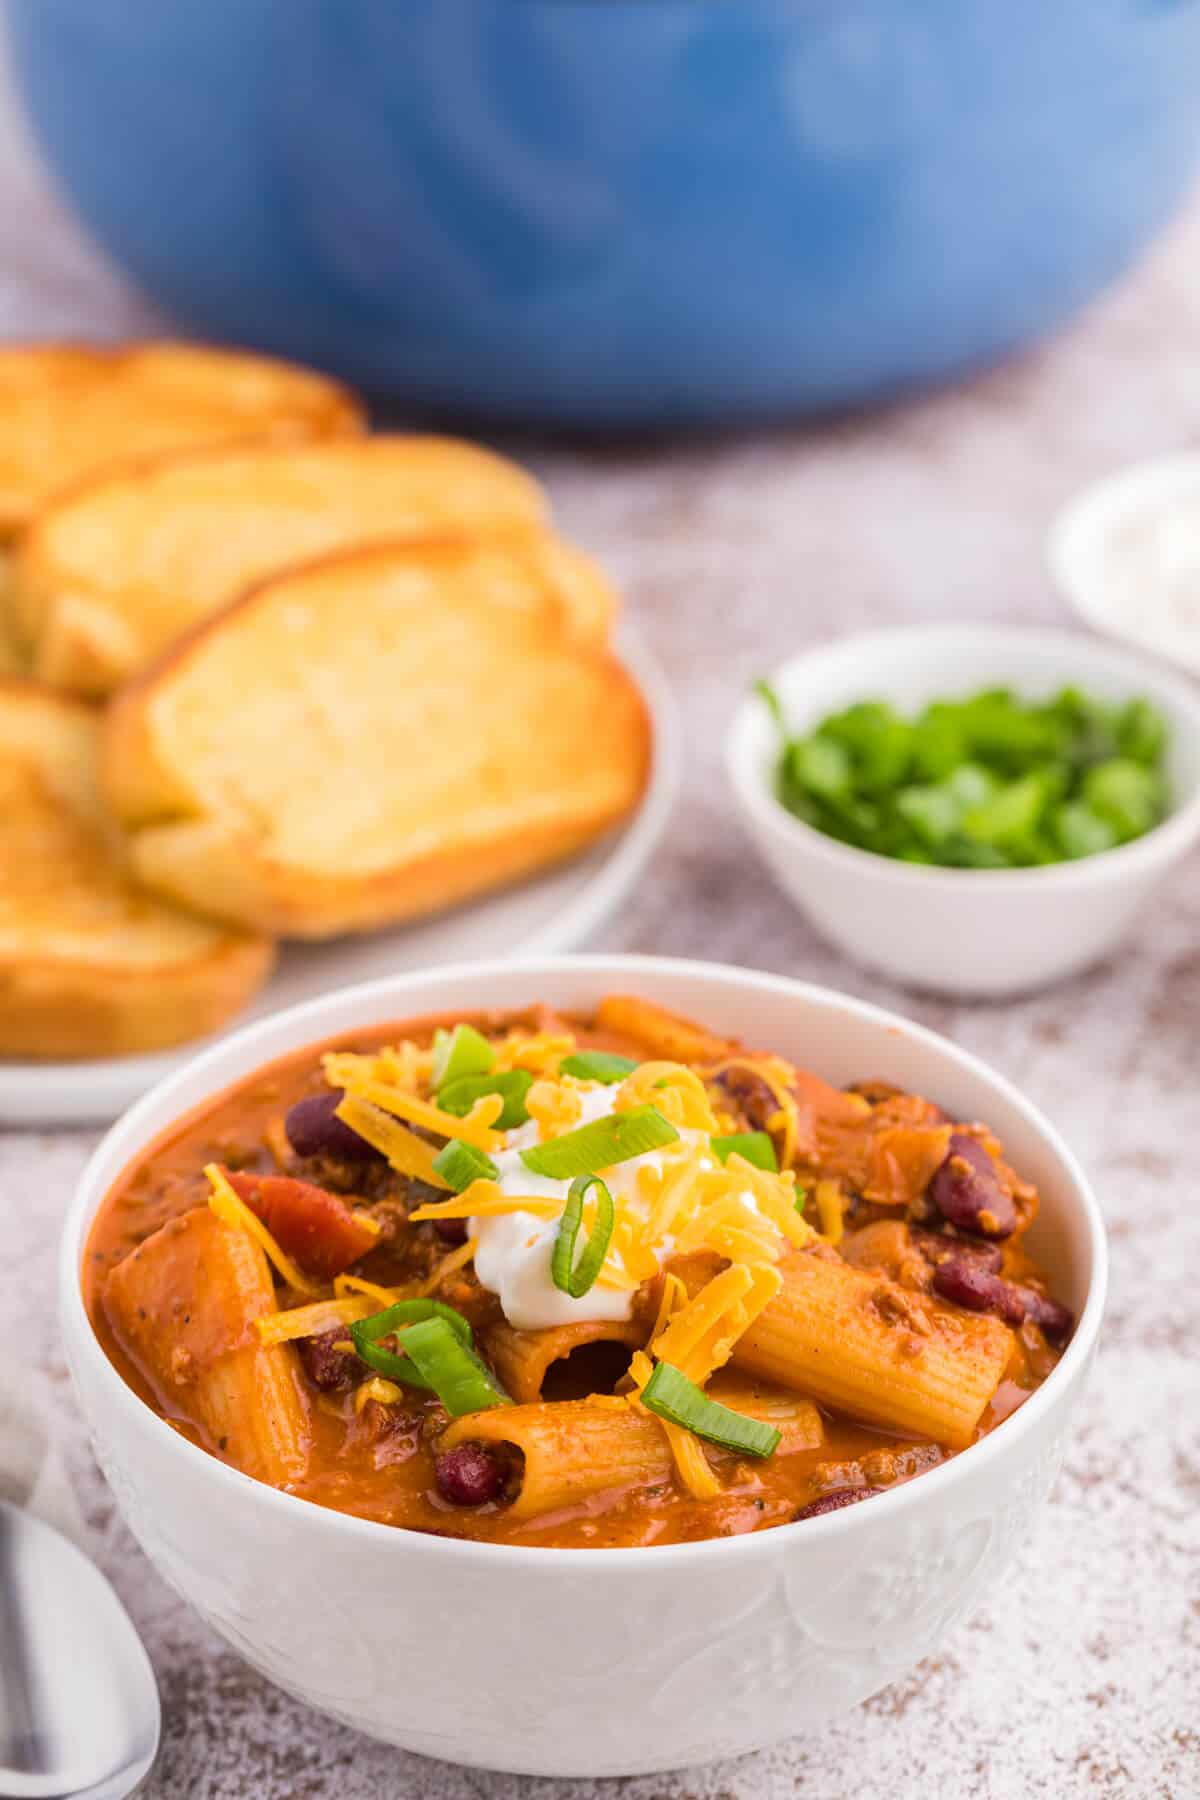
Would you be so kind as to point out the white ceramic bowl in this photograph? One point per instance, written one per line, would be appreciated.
(596, 1662)
(1125, 553)
(978, 932)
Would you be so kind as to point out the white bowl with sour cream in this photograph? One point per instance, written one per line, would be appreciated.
(596, 1662)
(1125, 553)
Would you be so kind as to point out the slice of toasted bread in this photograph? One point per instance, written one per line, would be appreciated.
(89, 964)
(374, 737)
(13, 660)
(69, 409)
(111, 572)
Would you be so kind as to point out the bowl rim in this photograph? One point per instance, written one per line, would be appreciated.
(1170, 839)
(92, 1186)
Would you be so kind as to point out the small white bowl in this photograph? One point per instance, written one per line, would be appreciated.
(596, 1662)
(982, 932)
(1125, 553)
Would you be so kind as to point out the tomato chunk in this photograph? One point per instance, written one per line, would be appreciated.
(311, 1224)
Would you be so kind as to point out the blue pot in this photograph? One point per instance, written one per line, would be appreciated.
(617, 213)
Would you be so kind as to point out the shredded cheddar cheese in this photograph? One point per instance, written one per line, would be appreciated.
(555, 1106)
(345, 1285)
(378, 1388)
(676, 1091)
(405, 1152)
(698, 1338)
(701, 1336)
(483, 1200)
(404, 1065)
(415, 1111)
(830, 1210)
(484, 1112)
(539, 1052)
(674, 1295)
(694, 1468)
(311, 1321)
(449, 1265)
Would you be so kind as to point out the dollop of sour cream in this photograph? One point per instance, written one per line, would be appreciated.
(514, 1250)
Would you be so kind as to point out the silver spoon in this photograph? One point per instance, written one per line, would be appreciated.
(79, 1710)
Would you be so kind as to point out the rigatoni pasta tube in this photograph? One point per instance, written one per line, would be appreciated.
(658, 1032)
(572, 1449)
(522, 1358)
(576, 1448)
(862, 1344)
(183, 1306)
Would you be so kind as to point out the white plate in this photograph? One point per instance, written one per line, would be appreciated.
(554, 912)
(1090, 546)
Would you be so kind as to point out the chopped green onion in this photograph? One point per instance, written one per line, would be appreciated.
(991, 781)
(458, 1097)
(597, 1065)
(1141, 732)
(822, 766)
(451, 1369)
(366, 1333)
(460, 1164)
(1127, 794)
(672, 1396)
(771, 701)
(1082, 832)
(569, 1276)
(463, 1051)
(1012, 815)
(755, 1146)
(599, 1145)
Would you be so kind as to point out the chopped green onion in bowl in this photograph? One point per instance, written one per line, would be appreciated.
(512, 1085)
(458, 1053)
(573, 1277)
(992, 781)
(460, 1164)
(599, 1145)
(597, 1065)
(755, 1147)
(673, 1397)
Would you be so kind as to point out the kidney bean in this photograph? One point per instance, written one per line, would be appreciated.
(333, 1371)
(1056, 1321)
(935, 1249)
(962, 1280)
(966, 1190)
(451, 1231)
(833, 1501)
(313, 1129)
(750, 1094)
(468, 1475)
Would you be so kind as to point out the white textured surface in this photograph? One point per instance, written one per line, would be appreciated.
(1083, 1677)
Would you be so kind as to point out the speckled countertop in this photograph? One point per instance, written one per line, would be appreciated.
(1083, 1676)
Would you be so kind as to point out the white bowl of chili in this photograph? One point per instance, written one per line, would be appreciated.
(502, 1655)
(985, 932)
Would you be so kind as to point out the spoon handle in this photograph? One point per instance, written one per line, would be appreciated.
(23, 1747)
